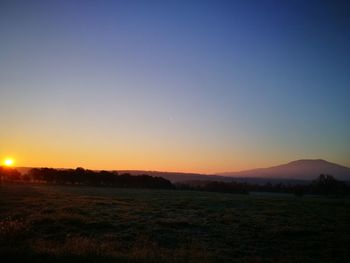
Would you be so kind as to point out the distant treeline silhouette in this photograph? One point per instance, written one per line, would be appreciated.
(323, 185)
(9, 174)
(81, 176)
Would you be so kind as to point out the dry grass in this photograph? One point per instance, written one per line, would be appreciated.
(12, 230)
(85, 224)
(78, 247)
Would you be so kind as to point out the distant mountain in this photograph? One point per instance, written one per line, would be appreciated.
(176, 177)
(293, 172)
(195, 179)
(299, 170)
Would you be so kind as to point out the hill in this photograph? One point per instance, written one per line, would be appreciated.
(292, 172)
(174, 177)
(300, 170)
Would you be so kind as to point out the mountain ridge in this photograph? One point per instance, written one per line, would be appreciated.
(305, 169)
(298, 170)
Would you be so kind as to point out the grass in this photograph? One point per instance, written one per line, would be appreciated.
(86, 224)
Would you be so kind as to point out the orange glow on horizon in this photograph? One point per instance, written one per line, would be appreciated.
(9, 162)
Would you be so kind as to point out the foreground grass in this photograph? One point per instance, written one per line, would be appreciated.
(86, 224)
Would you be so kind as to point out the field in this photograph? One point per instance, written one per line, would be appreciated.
(41, 223)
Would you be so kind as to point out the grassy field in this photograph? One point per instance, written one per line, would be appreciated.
(86, 224)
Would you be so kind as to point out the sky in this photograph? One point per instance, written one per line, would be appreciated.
(193, 86)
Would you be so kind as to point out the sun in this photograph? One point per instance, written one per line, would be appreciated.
(9, 162)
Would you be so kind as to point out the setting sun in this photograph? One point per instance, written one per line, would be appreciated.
(9, 162)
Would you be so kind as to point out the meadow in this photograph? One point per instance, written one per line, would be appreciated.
(49, 223)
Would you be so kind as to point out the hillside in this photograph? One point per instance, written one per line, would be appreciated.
(174, 177)
(301, 170)
(293, 172)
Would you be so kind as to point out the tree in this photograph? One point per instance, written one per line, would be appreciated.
(327, 184)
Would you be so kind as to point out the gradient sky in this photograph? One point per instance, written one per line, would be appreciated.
(196, 86)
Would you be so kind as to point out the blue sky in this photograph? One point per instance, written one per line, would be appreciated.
(201, 86)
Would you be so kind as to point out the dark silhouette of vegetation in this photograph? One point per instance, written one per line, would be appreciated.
(9, 174)
(81, 176)
(327, 185)
(323, 185)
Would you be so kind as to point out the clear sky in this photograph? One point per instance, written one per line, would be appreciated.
(196, 86)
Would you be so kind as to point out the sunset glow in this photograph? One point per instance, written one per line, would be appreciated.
(175, 130)
(9, 162)
(174, 85)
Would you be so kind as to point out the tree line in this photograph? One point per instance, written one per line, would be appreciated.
(323, 185)
(81, 176)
